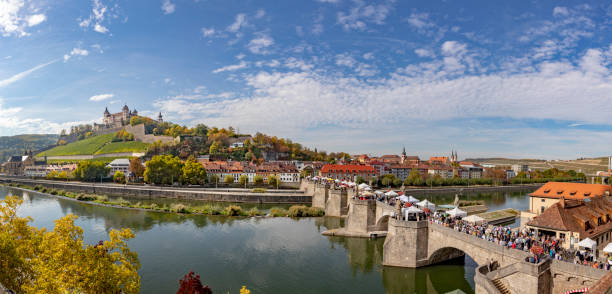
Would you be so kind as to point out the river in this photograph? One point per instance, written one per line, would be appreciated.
(268, 255)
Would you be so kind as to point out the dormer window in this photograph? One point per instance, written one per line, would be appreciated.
(587, 194)
(547, 190)
(560, 192)
(573, 192)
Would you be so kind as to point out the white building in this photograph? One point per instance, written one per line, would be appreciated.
(120, 164)
(517, 168)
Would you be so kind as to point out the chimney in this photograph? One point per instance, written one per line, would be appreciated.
(562, 202)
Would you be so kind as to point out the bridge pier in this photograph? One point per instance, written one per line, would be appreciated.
(406, 244)
(336, 204)
(320, 195)
(361, 215)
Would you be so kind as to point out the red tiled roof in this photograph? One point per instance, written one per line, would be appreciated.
(347, 168)
(571, 190)
(572, 215)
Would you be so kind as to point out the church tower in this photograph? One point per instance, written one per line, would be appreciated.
(159, 118)
(403, 155)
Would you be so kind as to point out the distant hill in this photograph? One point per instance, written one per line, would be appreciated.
(585, 165)
(101, 144)
(15, 145)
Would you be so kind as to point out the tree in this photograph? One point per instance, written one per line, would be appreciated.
(200, 130)
(387, 180)
(194, 173)
(258, 180)
(243, 180)
(163, 169)
(360, 180)
(228, 179)
(414, 178)
(91, 170)
(214, 178)
(40, 261)
(51, 175)
(136, 167)
(62, 175)
(119, 177)
(191, 284)
(273, 180)
(214, 148)
(373, 181)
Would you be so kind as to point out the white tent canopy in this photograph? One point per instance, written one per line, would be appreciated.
(608, 248)
(473, 219)
(426, 204)
(455, 212)
(367, 189)
(391, 194)
(410, 210)
(412, 199)
(363, 186)
(379, 192)
(587, 243)
(402, 198)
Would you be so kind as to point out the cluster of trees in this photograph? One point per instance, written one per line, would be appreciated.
(490, 177)
(58, 261)
(54, 175)
(90, 171)
(258, 180)
(123, 136)
(168, 169)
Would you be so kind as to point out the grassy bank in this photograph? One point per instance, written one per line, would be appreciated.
(206, 209)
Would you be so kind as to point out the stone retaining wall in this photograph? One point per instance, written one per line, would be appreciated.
(153, 192)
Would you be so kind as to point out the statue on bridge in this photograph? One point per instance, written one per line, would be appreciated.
(456, 203)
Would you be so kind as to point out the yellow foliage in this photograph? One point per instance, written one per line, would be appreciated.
(38, 261)
(244, 290)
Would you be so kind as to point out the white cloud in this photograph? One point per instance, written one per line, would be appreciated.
(199, 89)
(453, 48)
(260, 13)
(560, 11)
(101, 97)
(239, 22)
(368, 56)
(36, 19)
(259, 44)
(359, 15)
(23, 74)
(16, 16)
(421, 52)
(98, 47)
(167, 7)
(167, 80)
(100, 28)
(208, 32)
(75, 51)
(233, 67)
(419, 20)
(345, 60)
(99, 17)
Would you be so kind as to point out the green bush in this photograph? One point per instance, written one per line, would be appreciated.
(233, 210)
(259, 190)
(253, 212)
(178, 208)
(276, 212)
(85, 197)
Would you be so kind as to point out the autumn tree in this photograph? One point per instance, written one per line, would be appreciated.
(258, 180)
(228, 179)
(194, 173)
(191, 284)
(39, 261)
(163, 169)
(119, 177)
(136, 167)
(273, 180)
(243, 180)
(90, 170)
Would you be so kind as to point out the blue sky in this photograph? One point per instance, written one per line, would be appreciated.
(488, 78)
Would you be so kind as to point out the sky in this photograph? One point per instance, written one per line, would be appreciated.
(519, 79)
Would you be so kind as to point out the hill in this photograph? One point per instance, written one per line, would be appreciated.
(101, 144)
(585, 165)
(15, 145)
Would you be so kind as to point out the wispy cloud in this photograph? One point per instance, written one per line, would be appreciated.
(259, 44)
(233, 67)
(17, 15)
(360, 14)
(23, 74)
(238, 23)
(167, 7)
(75, 51)
(101, 97)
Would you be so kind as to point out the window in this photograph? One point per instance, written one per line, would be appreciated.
(562, 236)
(542, 209)
(543, 200)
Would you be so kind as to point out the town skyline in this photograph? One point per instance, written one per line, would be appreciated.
(520, 81)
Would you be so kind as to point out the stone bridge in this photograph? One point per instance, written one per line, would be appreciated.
(421, 243)
(333, 201)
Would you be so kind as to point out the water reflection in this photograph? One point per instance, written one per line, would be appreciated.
(270, 255)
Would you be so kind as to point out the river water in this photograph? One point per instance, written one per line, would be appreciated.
(268, 255)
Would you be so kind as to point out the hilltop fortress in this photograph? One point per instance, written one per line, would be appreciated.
(115, 121)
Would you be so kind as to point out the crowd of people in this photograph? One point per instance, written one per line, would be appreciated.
(525, 240)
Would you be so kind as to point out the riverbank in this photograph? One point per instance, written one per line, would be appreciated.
(207, 209)
(150, 192)
(472, 189)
